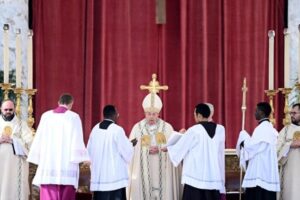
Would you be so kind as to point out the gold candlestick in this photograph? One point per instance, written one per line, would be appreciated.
(271, 94)
(297, 85)
(30, 120)
(286, 92)
(18, 92)
(5, 87)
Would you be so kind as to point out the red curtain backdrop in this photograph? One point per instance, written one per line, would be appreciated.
(101, 51)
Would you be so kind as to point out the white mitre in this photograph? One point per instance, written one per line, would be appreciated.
(152, 103)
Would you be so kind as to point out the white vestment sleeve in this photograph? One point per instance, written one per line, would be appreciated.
(222, 159)
(78, 151)
(283, 145)
(178, 151)
(35, 149)
(124, 146)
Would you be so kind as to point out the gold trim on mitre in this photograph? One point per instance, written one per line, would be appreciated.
(7, 131)
(152, 103)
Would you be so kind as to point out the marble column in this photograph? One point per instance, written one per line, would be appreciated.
(15, 14)
(293, 22)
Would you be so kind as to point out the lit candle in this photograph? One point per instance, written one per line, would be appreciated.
(286, 59)
(5, 54)
(299, 55)
(18, 59)
(271, 35)
(29, 61)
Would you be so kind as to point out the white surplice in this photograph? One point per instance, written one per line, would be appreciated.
(110, 152)
(260, 151)
(14, 167)
(58, 148)
(152, 176)
(203, 158)
(289, 160)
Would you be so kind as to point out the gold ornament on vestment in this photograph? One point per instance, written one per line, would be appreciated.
(296, 135)
(7, 131)
(160, 138)
(146, 140)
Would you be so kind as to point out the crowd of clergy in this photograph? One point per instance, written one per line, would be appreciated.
(155, 162)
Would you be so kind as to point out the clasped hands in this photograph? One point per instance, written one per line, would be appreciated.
(5, 139)
(156, 149)
(295, 144)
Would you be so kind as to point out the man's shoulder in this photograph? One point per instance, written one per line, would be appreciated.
(167, 124)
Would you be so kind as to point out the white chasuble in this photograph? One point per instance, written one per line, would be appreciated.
(289, 161)
(152, 176)
(14, 168)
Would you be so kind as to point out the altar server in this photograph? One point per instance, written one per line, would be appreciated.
(262, 178)
(110, 151)
(202, 150)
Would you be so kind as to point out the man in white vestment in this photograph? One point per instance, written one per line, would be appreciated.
(288, 152)
(57, 149)
(111, 152)
(262, 177)
(202, 149)
(15, 140)
(151, 172)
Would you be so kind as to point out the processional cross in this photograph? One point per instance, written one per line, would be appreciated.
(154, 86)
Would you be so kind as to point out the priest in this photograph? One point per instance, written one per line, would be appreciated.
(202, 149)
(262, 178)
(151, 172)
(15, 140)
(110, 152)
(57, 149)
(288, 152)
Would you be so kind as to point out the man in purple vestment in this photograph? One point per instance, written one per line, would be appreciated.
(57, 149)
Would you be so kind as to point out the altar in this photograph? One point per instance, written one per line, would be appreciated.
(232, 179)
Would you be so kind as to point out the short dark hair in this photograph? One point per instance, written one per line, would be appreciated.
(296, 105)
(202, 109)
(65, 99)
(109, 111)
(265, 108)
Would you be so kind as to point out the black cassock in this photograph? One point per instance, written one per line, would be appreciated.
(119, 194)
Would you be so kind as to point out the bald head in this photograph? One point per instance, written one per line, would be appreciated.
(8, 110)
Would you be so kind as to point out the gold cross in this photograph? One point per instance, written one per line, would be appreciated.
(154, 86)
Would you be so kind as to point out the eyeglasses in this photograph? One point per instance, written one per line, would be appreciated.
(8, 109)
(294, 113)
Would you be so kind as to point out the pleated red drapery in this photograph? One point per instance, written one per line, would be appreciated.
(101, 51)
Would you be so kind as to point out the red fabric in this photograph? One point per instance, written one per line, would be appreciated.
(57, 192)
(101, 51)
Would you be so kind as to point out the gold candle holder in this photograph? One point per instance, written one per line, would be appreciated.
(30, 120)
(297, 85)
(286, 92)
(271, 94)
(5, 87)
(18, 92)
